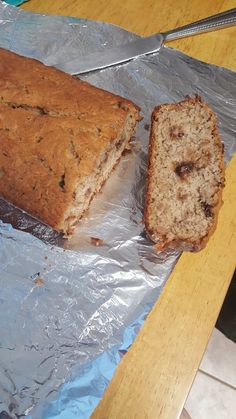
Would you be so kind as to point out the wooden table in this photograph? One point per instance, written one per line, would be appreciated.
(154, 378)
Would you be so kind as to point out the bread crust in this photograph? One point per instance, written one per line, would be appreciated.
(53, 130)
(156, 236)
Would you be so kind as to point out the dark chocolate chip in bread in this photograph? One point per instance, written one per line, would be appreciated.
(182, 169)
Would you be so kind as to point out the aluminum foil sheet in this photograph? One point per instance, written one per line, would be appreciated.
(70, 310)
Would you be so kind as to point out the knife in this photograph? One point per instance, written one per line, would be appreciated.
(144, 46)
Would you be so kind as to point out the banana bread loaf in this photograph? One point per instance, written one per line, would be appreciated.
(60, 138)
(185, 175)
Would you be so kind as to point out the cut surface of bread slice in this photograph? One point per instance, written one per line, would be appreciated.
(60, 138)
(185, 175)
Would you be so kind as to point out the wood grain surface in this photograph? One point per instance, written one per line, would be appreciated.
(154, 377)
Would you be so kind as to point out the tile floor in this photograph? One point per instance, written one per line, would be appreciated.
(213, 394)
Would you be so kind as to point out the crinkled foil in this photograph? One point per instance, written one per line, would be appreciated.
(70, 310)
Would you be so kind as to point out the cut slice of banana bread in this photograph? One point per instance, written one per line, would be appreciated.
(185, 175)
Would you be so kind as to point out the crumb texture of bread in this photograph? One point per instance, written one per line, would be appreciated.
(60, 138)
(185, 175)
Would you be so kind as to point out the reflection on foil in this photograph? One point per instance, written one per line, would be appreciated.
(67, 307)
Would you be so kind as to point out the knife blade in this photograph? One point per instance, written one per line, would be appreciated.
(144, 46)
(114, 56)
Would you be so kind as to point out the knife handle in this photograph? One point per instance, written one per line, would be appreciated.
(211, 23)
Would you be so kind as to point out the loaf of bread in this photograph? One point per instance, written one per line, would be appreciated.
(185, 175)
(60, 138)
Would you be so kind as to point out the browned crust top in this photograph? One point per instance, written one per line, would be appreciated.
(53, 127)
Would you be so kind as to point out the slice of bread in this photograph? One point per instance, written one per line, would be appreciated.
(185, 175)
